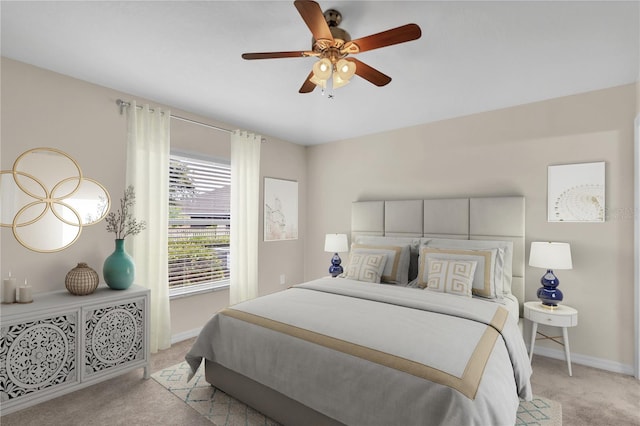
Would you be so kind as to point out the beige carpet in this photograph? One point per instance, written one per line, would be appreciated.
(223, 410)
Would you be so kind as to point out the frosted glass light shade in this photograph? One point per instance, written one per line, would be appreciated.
(345, 69)
(338, 82)
(315, 80)
(322, 69)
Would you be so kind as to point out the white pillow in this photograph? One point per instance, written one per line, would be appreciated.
(487, 281)
(365, 267)
(396, 270)
(504, 259)
(413, 242)
(451, 276)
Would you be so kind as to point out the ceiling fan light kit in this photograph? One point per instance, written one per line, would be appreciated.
(332, 45)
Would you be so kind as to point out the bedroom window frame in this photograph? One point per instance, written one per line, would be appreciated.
(211, 166)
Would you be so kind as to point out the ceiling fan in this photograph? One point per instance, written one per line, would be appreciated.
(333, 45)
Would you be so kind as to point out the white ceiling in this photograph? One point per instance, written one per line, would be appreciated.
(473, 56)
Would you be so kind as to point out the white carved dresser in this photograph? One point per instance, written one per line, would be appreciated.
(61, 343)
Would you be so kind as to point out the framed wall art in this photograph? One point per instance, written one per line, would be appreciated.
(280, 209)
(576, 192)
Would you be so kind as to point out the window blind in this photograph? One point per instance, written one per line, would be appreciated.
(199, 221)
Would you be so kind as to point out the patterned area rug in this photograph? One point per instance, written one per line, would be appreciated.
(223, 410)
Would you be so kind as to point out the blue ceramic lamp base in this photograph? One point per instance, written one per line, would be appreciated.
(335, 269)
(549, 293)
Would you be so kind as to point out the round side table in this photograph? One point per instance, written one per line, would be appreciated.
(561, 316)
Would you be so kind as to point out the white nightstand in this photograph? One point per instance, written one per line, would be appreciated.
(561, 316)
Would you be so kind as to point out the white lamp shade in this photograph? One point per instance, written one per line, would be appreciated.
(336, 243)
(550, 255)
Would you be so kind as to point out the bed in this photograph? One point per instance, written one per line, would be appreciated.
(347, 351)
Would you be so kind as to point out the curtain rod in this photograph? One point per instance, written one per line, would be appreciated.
(124, 104)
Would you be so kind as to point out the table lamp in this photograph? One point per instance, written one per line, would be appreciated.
(550, 256)
(334, 243)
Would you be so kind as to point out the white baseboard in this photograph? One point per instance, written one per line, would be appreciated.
(185, 335)
(589, 361)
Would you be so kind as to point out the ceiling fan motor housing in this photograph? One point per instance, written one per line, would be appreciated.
(340, 34)
(333, 17)
(331, 48)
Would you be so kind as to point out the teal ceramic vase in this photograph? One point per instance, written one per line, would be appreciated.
(119, 269)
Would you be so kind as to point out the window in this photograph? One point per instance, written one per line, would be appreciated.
(199, 224)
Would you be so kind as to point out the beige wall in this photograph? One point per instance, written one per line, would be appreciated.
(42, 108)
(497, 153)
(637, 85)
(506, 152)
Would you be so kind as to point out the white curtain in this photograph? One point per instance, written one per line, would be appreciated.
(245, 214)
(148, 172)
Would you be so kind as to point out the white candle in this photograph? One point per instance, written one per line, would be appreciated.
(24, 293)
(9, 290)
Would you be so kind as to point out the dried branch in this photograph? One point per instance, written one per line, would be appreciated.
(122, 222)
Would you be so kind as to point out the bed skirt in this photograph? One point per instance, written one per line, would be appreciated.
(269, 402)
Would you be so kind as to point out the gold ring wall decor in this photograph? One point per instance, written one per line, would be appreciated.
(46, 200)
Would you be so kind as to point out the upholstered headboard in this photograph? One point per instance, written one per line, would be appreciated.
(476, 218)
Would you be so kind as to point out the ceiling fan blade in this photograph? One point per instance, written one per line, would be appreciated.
(314, 18)
(307, 86)
(388, 38)
(273, 55)
(369, 73)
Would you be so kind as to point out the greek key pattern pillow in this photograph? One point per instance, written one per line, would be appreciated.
(365, 267)
(396, 268)
(487, 281)
(451, 276)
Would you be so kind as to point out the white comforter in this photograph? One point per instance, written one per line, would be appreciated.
(368, 354)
